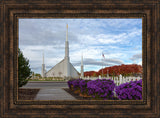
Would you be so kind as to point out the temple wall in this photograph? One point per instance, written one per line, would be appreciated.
(60, 70)
(74, 72)
(57, 71)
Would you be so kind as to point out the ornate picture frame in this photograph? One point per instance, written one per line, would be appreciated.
(11, 10)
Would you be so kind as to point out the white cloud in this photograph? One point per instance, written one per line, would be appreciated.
(140, 63)
(136, 57)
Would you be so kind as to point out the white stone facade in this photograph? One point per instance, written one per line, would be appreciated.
(60, 70)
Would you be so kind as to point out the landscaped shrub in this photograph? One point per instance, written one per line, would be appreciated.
(83, 86)
(98, 89)
(74, 84)
(70, 84)
(130, 90)
(101, 88)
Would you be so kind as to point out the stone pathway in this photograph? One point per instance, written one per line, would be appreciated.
(53, 94)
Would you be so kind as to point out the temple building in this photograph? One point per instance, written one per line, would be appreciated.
(82, 72)
(64, 68)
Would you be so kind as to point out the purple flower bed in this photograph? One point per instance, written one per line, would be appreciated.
(98, 89)
(74, 83)
(83, 86)
(130, 91)
(101, 88)
(70, 83)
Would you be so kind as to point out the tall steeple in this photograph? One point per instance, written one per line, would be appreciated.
(64, 68)
(66, 59)
(67, 32)
(82, 72)
(67, 44)
(43, 58)
(43, 67)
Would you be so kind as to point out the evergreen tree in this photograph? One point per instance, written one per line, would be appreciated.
(24, 71)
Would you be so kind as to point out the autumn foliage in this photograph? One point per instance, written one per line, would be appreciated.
(124, 70)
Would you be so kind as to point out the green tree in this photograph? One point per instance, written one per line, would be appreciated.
(24, 71)
(38, 75)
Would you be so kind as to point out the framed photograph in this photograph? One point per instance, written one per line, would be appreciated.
(67, 40)
(76, 51)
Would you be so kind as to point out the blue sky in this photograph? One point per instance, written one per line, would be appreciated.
(120, 40)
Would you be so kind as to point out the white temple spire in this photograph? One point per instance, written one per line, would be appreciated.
(82, 72)
(67, 44)
(82, 59)
(64, 68)
(66, 59)
(43, 67)
(67, 32)
(43, 57)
